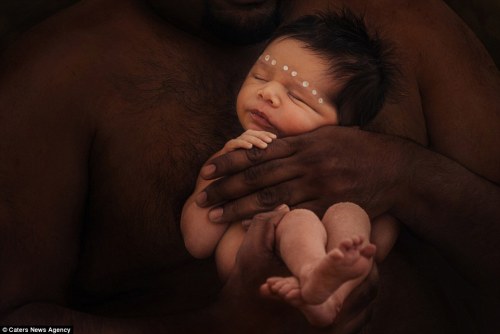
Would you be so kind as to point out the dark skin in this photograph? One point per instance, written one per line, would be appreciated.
(94, 172)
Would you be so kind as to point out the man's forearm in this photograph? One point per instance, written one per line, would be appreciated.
(458, 212)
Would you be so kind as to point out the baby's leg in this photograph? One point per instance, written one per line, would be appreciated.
(350, 253)
(227, 249)
(319, 315)
(323, 278)
(301, 239)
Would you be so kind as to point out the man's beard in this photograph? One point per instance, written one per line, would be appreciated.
(242, 26)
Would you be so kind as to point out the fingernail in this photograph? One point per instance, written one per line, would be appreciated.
(201, 198)
(215, 215)
(208, 170)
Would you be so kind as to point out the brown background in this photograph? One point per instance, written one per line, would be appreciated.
(483, 16)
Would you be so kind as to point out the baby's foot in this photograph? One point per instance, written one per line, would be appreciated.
(350, 260)
(285, 288)
(324, 314)
(288, 289)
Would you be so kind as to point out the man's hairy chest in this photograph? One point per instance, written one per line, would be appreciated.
(144, 162)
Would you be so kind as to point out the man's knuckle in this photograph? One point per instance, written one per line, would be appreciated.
(224, 162)
(255, 154)
(271, 197)
(213, 192)
(288, 145)
(252, 175)
(230, 209)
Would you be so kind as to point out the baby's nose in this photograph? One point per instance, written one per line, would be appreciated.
(270, 95)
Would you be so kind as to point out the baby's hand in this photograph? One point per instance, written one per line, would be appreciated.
(249, 139)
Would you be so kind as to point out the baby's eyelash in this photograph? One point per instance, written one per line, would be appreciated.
(258, 77)
(296, 98)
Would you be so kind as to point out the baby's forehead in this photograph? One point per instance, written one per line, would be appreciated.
(280, 66)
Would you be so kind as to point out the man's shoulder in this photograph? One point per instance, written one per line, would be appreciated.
(71, 52)
(72, 32)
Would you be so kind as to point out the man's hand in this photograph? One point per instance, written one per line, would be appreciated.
(256, 259)
(311, 171)
(358, 307)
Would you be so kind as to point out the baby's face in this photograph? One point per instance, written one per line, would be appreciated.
(286, 91)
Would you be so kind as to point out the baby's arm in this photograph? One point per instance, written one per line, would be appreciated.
(199, 233)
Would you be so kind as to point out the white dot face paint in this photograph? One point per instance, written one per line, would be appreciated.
(304, 83)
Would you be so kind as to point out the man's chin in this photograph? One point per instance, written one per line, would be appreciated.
(246, 2)
(242, 22)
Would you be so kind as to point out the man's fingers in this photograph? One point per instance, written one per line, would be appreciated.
(256, 253)
(261, 228)
(261, 201)
(257, 250)
(248, 181)
(256, 259)
(260, 237)
(240, 160)
(273, 217)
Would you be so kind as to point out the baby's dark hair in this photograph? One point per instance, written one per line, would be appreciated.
(359, 60)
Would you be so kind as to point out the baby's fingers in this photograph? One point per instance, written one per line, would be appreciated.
(259, 139)
(237, 143)
(263, 135)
